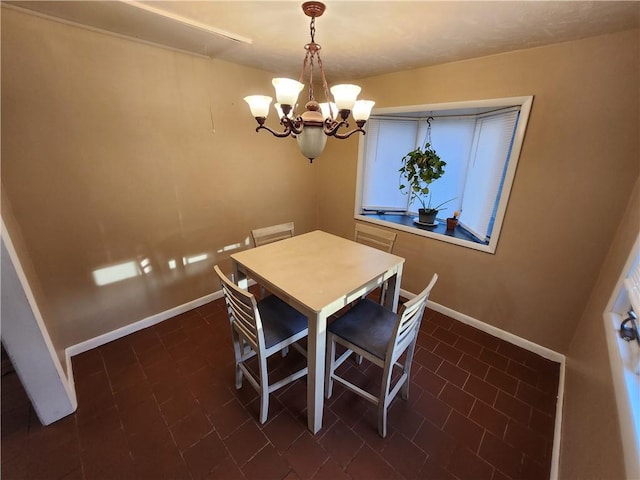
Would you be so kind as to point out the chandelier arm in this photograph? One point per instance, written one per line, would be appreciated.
(331, 129)
(285, 133)
(291, 127)
(342, 136)
(295, 126)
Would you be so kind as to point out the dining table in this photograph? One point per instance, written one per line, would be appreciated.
(318, 274)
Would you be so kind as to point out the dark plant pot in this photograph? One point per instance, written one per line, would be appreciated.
(452, 223)
(426, 215)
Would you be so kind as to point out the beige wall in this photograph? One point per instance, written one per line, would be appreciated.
(588, 385)
(569, 226)
(115, 151)
(578, 164)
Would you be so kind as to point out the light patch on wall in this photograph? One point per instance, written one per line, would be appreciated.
(121, 271)
(194, 259)
(116, 273)
(227, 248)
(145, 264)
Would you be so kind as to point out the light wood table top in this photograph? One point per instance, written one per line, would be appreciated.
(316, 268)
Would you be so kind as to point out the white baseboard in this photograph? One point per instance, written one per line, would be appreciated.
(527, 345)
(185, 307)
(139, 325)
(501, 334)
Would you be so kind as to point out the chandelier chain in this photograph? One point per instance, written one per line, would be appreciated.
(325, 87)
(311, 96)
(312, 29)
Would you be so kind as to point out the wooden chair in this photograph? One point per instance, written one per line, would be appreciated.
(381, 336)
(262, 236)
(375, 237)
(261, 328)
(274, 233)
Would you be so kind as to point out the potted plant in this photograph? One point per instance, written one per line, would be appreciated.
(419, 168)
(452, 222)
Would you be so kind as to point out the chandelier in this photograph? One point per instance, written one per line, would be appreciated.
(319, 120)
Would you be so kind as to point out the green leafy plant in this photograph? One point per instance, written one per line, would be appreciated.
(419, 168)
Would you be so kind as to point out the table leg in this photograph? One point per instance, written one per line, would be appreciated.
(315, 361)
(393, 291)
(240, 276)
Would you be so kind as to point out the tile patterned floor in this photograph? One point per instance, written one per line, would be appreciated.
(161, 403)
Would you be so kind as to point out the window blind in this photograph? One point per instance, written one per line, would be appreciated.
(490, 151)
(387, 141)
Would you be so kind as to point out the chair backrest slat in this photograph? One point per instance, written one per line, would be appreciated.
(410, 316)
(274, 233)
(243, 311)
(375, 237)
(242, 317)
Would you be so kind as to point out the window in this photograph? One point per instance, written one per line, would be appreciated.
(624, 359)
(480, 141)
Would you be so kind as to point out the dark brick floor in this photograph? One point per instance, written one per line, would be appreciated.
(161, 403)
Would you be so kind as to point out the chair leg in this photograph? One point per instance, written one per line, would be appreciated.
(329, 366)
(264, 390)
(382, 420)
(404, 390)
(238, 348)
(383, 401)
(238, 377)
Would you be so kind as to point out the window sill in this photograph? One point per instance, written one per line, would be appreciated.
(458, 236)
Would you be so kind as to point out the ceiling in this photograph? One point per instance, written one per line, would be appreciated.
(358, 38)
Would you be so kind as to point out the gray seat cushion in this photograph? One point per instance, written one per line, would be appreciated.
(279, 320)
(367, 325)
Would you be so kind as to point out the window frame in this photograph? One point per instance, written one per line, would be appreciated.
(621, 359)
(524, 102)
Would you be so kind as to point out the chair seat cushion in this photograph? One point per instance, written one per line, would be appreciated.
(279, 320)
(367, 325)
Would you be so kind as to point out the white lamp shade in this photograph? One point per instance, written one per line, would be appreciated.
(259, 105)
(311, 141)
(287, 90)
(329, 110)
(362, 109)
(345, 95)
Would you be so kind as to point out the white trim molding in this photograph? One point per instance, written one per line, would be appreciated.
(141, 324)
(28, 344)
(105, 338)
(626, 382)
